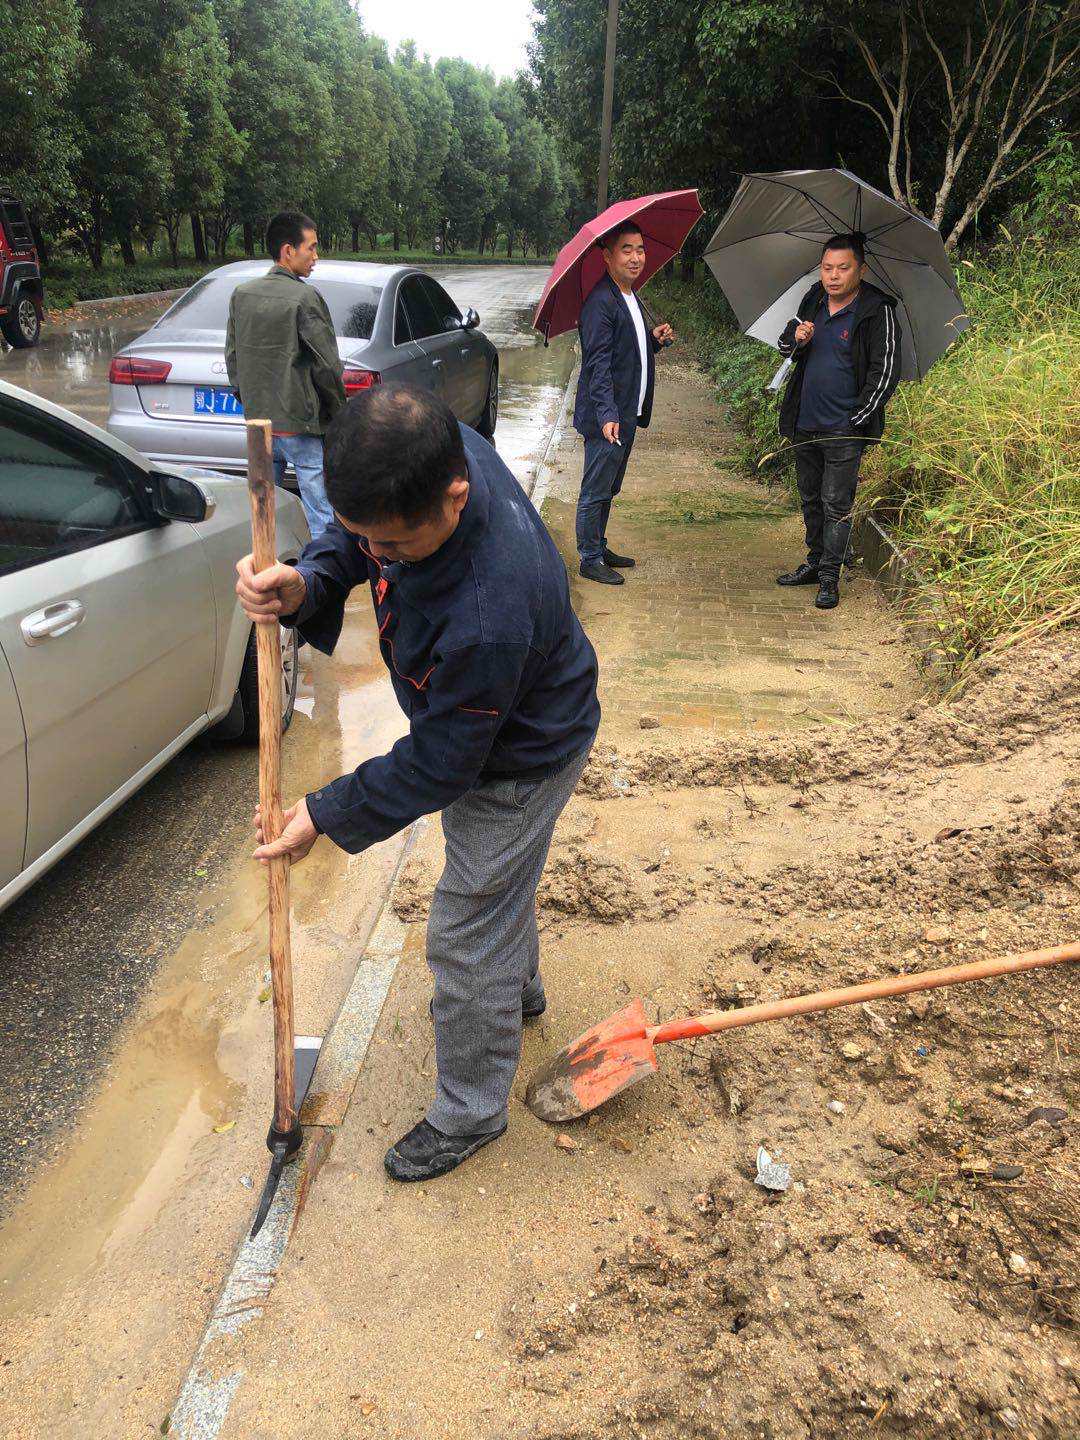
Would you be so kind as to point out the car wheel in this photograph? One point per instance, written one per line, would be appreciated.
(248, 688)
(21, 326)
(490, 418)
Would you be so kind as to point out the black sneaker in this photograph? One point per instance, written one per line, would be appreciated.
(425, 1152)
(828, 595)
(804, 574)
(619, 562)
(601, 573)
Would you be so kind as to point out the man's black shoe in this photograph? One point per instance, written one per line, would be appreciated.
(425, 1152)
(603, 574)
(619, 562)
(803, 574)
(828, 595)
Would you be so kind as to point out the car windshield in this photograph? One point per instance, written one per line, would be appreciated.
(206, 305)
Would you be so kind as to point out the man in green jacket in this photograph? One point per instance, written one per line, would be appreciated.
(282, 357)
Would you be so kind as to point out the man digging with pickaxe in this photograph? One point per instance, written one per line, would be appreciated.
(490, 664)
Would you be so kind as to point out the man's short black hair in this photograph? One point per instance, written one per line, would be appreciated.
(286, 228)
(855, 243)
(390, 454)
(611, 239)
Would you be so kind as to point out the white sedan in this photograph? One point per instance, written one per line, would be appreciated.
(121, 638)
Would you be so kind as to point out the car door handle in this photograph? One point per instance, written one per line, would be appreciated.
(52, 622)
(466, 351)
(436, 361)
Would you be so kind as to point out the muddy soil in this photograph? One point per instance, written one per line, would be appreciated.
(919, 1276)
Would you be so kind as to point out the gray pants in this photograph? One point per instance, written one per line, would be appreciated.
(482, 943)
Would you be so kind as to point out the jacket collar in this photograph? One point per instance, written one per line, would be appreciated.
(868, 301)
(441, 571)
(276, 269)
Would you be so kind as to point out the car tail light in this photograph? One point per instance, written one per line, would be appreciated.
(355, 379)
(126, 371)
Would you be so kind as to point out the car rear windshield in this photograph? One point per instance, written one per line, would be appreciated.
(206, 305)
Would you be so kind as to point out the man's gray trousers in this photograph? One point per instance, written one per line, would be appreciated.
(482, 941)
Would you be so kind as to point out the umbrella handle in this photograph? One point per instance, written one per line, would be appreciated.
(713, 1021)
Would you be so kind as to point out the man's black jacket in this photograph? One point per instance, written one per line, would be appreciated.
(875, 357)
(610, 379)
(486, 655)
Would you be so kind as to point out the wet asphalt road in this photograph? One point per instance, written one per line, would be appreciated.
(80, 948)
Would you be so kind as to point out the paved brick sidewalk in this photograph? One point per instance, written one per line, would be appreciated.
(701, 635)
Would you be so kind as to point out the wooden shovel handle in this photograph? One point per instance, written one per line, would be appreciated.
(268, 643)
(713, 1021)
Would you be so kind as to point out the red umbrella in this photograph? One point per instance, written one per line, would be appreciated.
(665, 221)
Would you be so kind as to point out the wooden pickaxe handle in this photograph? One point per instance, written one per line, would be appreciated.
(713, 1021)
(268, 643)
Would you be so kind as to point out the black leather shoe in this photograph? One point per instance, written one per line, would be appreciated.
(828, 595)
(803, 574)
(598, 571)
(425, 1152)
(619, 562)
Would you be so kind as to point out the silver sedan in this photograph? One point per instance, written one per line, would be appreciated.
(121, 637)
(169, 395)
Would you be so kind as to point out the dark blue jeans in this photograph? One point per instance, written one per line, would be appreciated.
(827, 471)
(605, 466)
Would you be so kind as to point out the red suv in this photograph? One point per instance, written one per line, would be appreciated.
(22, 294)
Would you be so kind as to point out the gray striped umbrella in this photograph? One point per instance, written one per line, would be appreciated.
(766, 251)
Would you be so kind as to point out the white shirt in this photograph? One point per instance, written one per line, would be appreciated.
(639, 325)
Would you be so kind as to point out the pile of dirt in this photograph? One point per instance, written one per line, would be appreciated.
(919, 1276)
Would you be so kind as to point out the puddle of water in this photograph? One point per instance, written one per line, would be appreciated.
(187, 1063)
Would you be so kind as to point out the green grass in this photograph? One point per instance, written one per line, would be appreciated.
(979, 478)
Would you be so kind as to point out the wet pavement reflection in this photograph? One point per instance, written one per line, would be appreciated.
(132, 989)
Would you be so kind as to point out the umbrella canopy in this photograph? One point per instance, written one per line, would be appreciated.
(766, 253)
(664, 220)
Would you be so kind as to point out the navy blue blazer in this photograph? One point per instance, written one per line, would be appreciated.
(486, 656)
(610, 380)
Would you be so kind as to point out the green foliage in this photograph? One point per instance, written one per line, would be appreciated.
(979, 477)
(42, 51)
(122, 121)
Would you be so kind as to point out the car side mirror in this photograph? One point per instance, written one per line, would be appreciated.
(472, 319)
(175, 498)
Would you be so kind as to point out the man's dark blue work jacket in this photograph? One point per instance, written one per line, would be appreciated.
(486, 655)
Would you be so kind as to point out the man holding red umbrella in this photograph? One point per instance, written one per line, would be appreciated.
(614, 394)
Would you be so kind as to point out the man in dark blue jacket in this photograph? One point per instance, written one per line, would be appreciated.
(490, 664)
(845, 343)
(614, 394)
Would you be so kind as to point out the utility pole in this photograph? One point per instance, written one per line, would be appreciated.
(609, 93)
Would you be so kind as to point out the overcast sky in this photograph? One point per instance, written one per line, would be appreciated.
(485, 32)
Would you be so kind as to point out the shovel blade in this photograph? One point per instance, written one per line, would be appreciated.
(596, 1066)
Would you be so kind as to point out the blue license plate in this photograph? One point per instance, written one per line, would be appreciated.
(212, 400)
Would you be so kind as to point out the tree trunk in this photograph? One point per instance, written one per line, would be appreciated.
(355, 238)
(509, 244)
(686, 269)
(198, 237)
(127, 249)
(249, 240)
(373, 238)
(397, 239)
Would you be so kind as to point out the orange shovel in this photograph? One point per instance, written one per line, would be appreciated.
(620, 1051)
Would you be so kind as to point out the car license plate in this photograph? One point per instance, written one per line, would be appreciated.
(213, 400)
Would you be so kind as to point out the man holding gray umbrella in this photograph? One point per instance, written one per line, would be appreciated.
(846, 344)
(860, 252)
